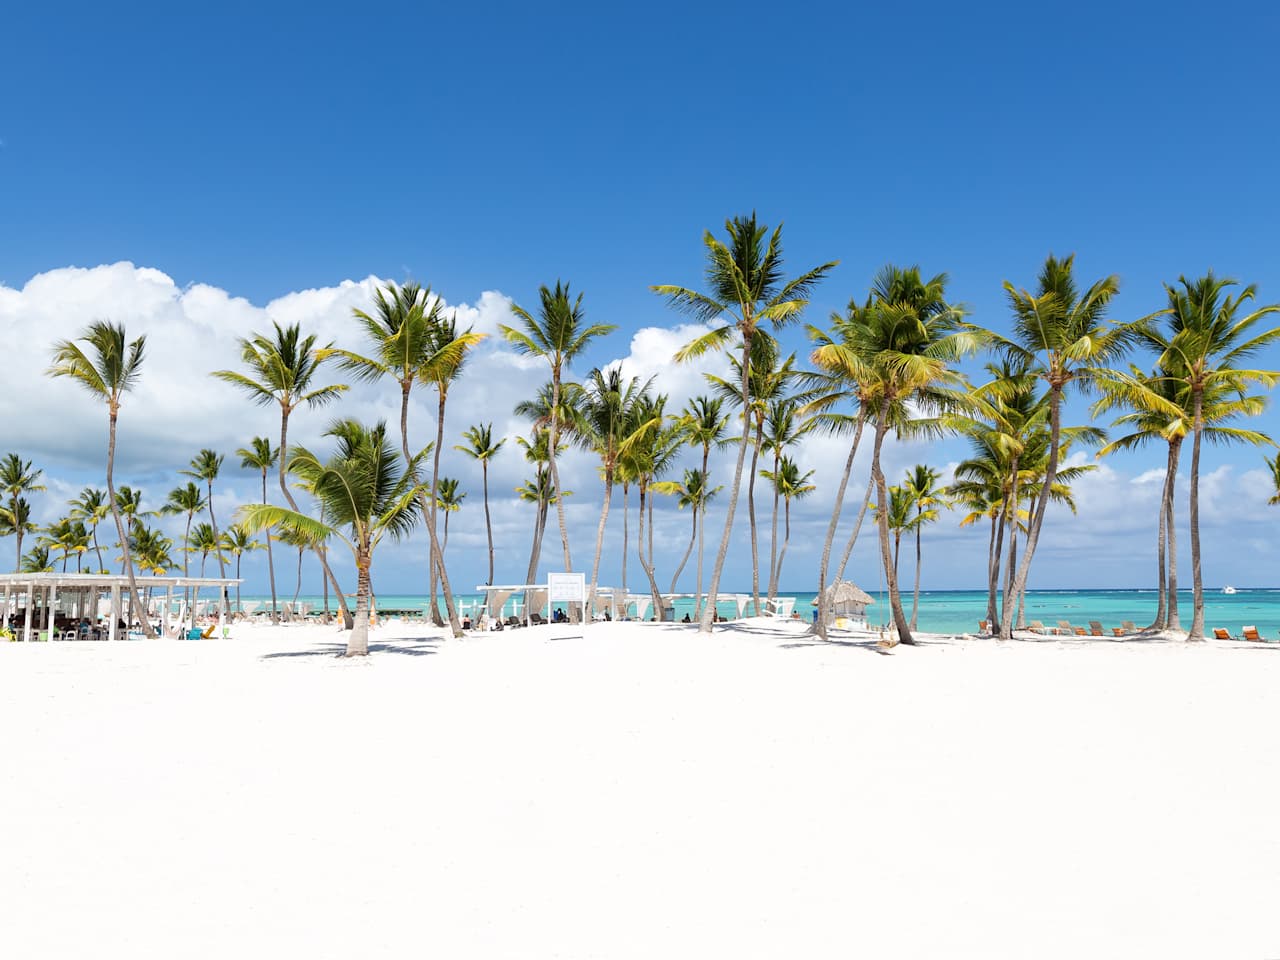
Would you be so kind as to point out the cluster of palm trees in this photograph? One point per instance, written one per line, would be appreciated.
(888, 364)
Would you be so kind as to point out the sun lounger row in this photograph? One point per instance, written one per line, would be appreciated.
(1249, 633)
(1065, 628)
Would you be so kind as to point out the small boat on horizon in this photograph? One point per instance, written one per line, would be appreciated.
(1228, 590)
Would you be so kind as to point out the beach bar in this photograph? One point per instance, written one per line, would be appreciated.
(44, 605)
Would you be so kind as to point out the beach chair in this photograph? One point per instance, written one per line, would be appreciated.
(1251, 633)
(1095, 628)
(983, 627)
(1126, 628)
(1035, 626)
(1066, 629)
(1221, 634)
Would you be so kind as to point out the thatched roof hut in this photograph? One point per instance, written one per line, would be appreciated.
(847, 599)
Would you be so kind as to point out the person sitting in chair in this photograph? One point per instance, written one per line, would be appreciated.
(685, 619)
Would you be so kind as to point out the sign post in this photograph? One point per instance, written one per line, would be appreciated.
(567, 588)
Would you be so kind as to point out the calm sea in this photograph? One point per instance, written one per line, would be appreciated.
(957, 611)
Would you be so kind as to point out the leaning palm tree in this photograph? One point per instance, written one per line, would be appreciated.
(791, 484)
(261, 456)
(480, 446)
(559, 334)
(281, 368)
(237, 541)
(1210, 337)
(92, 507)
(1065, 337)
(205, 466)
(922, 485)
(365, 491)
(17, 477)
(108, 370)
(702, 424)
(745, 288)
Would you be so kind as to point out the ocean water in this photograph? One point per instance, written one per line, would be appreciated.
(958, 611)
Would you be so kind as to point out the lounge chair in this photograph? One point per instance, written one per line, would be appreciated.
(1066, 629)
(1220, 634)
(983, 627)
(1251, 633)
(1126, 628)
(1095, 626)
(1035, 626)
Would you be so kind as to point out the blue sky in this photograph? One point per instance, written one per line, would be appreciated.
(264, 151)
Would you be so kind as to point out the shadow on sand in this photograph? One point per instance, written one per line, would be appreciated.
(405, 646)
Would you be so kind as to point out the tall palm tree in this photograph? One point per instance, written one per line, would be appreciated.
(898, 518)
(559, 334)
(37, 560)
(205, 466)
(108, 370)
(1065, 337)
(1210, 337)
(784, 426)
(281, 368)
(302, 542)
(791, 484)
(692, 492)
(188, 501)
(746, 288)
(480, 446)
(15, 520)
(449, 500)
(204, 542)
(366, 492)
(92, 507)
(237, 541)
(18, 477)
(68, 536)
(922, 485)
(702, 423)
(649, 458)
(538, 491)
(261, 456)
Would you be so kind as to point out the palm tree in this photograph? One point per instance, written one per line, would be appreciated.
(303, 542)
(365, 491)
(69, 536)
(281, 369)
(702, 423)
(480, 446)
(649, 459)
(15, 520)
(1209, 339)
(784, 425)
(37, 561)
(188, 500)
(926, 495)
(559, 335)
(205, 466)
(745, 285)
(237, 540)
(17, 477)
(1066, 339)
(92, 507)
(109, 370)
(152, 550)
(899, 518)
(791, 485)
(1274, 466)
(261, 456)
(449, 500)
(204, 542)
(693, 493)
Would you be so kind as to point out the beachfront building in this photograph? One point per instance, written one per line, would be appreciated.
(71, 606)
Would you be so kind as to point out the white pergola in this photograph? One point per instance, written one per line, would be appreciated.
(85, 589)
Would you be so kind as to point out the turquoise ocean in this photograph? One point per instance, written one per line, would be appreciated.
(958, 611)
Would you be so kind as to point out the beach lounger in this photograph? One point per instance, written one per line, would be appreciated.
(1036, 626)
(1126, 628)
(1251, 633)
(1220, 634)
(1066, 629)
(1095, 626)
(983, 627)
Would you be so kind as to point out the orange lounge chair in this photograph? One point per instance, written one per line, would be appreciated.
(1095, 626)
(1220, 634)
(1251, 633)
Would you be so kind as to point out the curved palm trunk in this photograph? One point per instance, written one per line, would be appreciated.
(348, 621)
(1162, 608)
(595, 566)
(298, 589)
(358, 640)
(97, 549)
(773, 535)
(882, 516)
(135, 605)
(271, 564)
(1033, 530)
(688, 550)
(488, 524)
(1172, 530)
(782, 554)
(820, 625)
(751, 513)
(645, 564)
(535, 552)
(915, 596)
(1008, 612)
(455, 625)
(1197, 582)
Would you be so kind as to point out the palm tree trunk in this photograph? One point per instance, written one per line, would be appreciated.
(298, 589)
(13, 507)
(882, 517)
(1010, 599)
(773, 535)
(1033, 531)
(358, 640)
(915, 597)
(455, 625)
(626, 535)
(1162, 610)
(652, 565)
(857, 528)
(751, 514)
(897, 548)
(539, 526)
(1172, 530)
(271, 564)
(702, 508)
(646, 566)
(993, 570)
(348, 621)
(186, 557)
(138, 613)
(820, 625)
(1197, 581)
(217, 539)
(782, 554)
(595, 565)
(552, 443)
(239, 605)
(688, 550)
(97, 549)
(488, 524)
(713, 588)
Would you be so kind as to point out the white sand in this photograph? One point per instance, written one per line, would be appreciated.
(639, 793)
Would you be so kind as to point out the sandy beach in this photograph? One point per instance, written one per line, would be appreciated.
(637, 791)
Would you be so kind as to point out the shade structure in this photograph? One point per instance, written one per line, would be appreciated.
(847, 599)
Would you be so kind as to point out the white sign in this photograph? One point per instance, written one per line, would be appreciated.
(566, 587)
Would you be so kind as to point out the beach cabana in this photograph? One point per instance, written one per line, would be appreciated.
(847, 599)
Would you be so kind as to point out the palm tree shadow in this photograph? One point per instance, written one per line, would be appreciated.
(404, 646)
